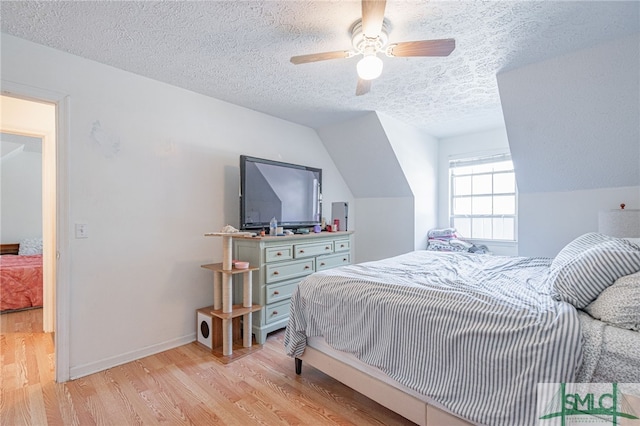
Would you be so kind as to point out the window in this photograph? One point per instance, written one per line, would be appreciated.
(483, 197)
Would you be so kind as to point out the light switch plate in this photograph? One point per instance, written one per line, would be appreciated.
(82, 230)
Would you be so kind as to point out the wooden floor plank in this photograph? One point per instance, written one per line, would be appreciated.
(51, 405)
(182, 386)
(37, 411)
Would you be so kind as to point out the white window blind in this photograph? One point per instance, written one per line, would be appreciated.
(483, 197)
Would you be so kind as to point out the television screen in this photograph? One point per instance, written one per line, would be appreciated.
(291, 193)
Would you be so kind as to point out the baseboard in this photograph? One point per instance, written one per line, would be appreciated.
(94, 367)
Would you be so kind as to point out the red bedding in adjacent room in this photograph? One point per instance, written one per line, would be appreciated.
(20, 281)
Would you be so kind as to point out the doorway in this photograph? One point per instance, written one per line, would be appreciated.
(28, 114)
(29, 127)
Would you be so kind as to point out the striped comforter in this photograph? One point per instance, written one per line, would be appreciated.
(476, 333)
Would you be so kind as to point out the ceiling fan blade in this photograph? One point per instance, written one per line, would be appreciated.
(315, 57)
(423, 48)
(372, 17)
(363, 87)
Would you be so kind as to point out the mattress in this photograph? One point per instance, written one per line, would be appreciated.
(475, 333)
(383, 395)
(321, 345)
(611, 355)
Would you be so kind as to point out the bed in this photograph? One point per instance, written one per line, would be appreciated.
(457, 338)
(21, 278)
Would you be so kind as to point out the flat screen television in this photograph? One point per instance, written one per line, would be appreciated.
(289, 192)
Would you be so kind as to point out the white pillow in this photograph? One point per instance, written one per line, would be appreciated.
(30, 246)
(619, 304)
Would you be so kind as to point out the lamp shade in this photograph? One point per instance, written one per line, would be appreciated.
(621, 223)
(369, 67)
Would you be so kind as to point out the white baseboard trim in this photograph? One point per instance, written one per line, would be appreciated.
(94, 367)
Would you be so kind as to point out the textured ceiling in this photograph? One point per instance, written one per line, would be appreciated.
(239, 51)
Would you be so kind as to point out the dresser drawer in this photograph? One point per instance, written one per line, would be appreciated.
(280, 291)
(312, 249)
(341, 245)
(286, 270)
(277, 311)
(274, 254)
(328, 262)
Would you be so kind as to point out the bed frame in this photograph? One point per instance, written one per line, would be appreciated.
(384, 394)
(9, 248)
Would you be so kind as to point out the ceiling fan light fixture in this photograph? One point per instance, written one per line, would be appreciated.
(370, 36)
(369, 67)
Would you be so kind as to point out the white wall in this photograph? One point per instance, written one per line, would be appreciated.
(21, 206)
(361, 150)
(390, 168)
(574, 121)
(382, 230)
(151, 168)
(469, 145)
(574, 130)
(552, 219)
(417, 153)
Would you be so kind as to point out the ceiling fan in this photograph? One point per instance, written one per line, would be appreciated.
(369, 37)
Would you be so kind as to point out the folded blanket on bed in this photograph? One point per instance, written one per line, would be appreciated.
(449, 240)
(475, 333)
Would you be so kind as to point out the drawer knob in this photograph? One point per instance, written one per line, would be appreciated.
(327, 248)
(276, 273)
(301, 251)
(344, 259)
(276, 292)
(341, 245)
(278, 254)
(274, 313)
(306, 267)
(322, 264)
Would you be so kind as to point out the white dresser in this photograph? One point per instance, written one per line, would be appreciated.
(282, 263)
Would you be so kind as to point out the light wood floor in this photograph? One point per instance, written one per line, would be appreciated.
(182, 386)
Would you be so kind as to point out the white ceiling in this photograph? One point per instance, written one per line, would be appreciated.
(239, 51)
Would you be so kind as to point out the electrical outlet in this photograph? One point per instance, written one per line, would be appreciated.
(82, 230)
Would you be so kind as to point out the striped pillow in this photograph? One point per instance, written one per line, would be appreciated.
(589, 264)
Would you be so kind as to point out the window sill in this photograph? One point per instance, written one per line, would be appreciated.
(503, 248)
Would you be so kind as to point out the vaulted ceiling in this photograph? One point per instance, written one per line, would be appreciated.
(239, 51)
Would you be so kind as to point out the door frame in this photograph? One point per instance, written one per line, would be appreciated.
(62, 243)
